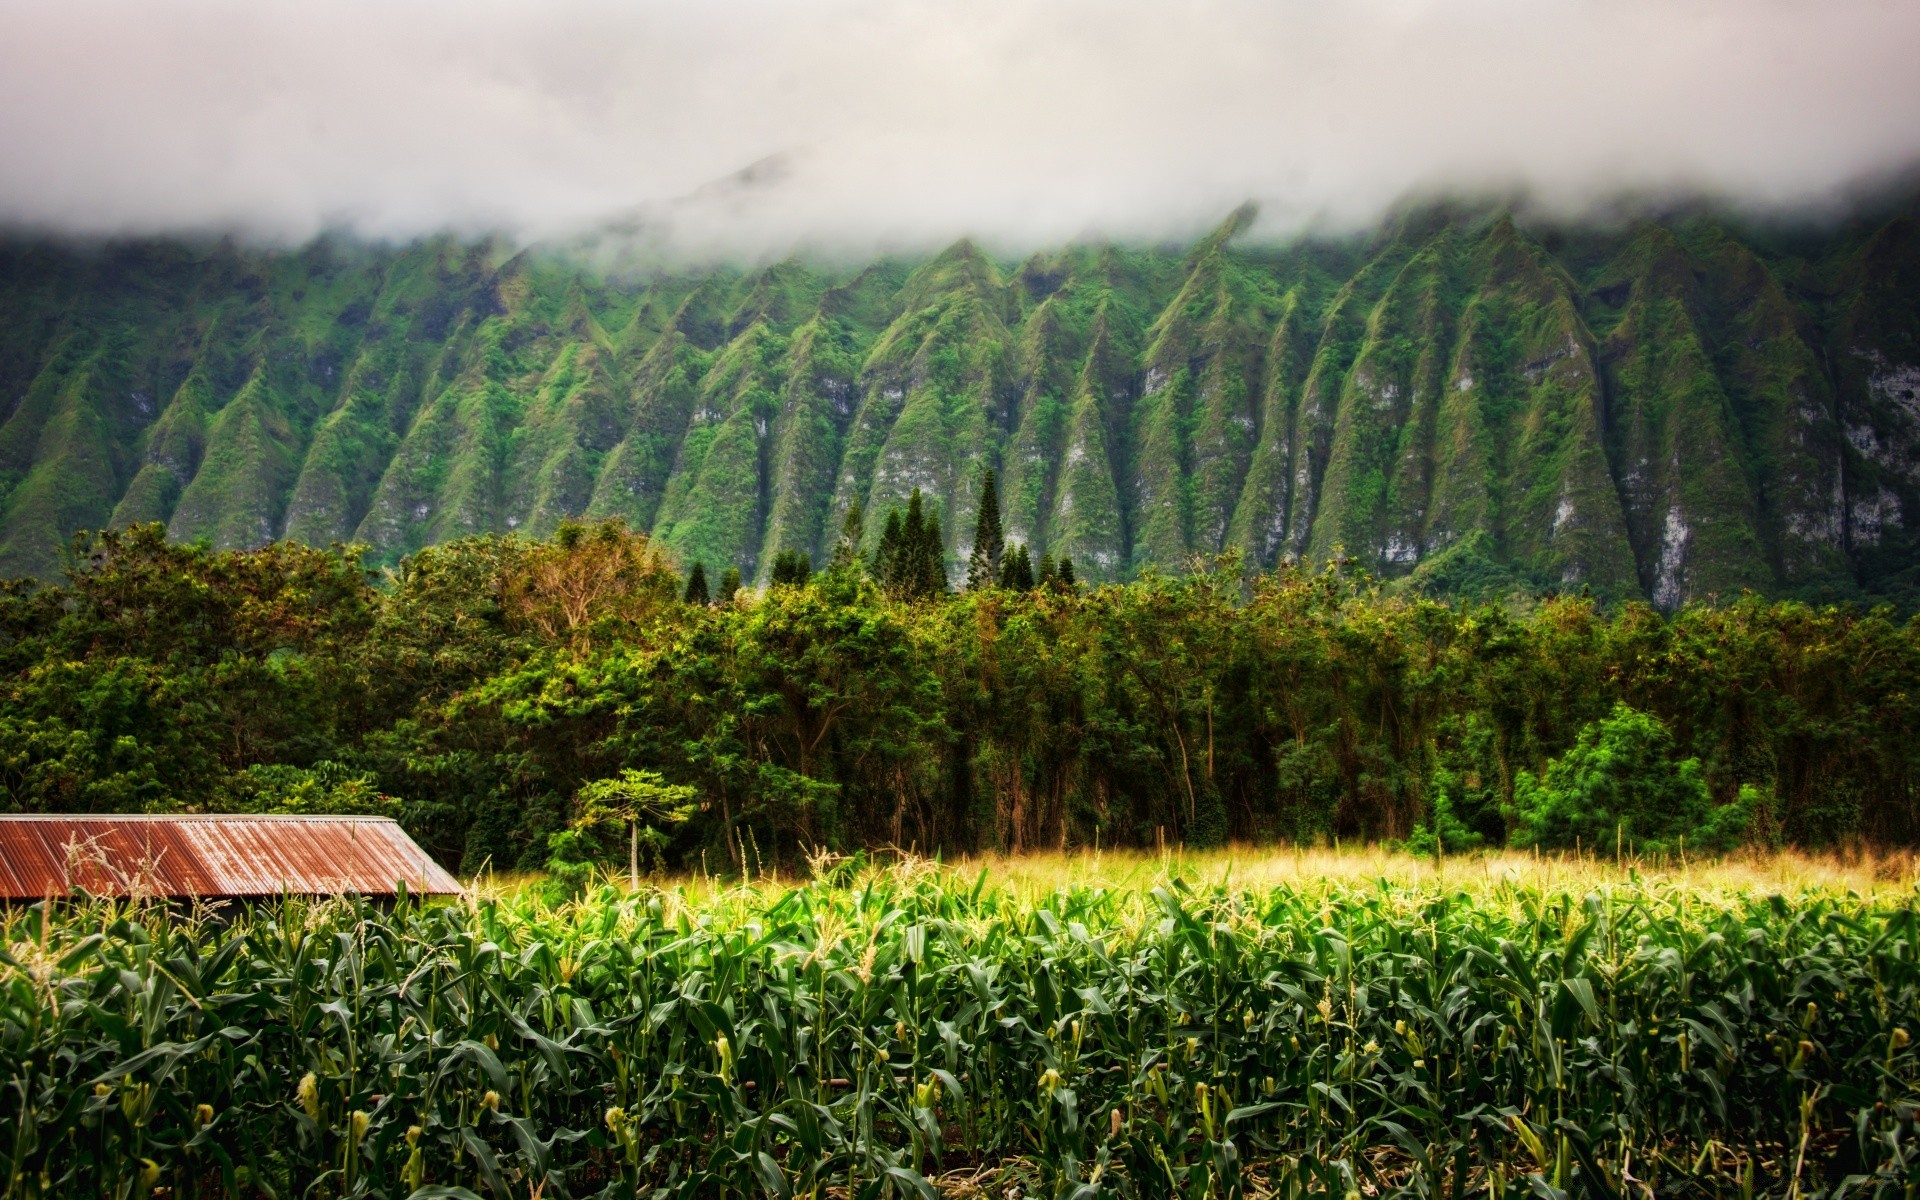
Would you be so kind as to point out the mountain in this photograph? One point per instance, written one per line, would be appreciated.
(1672, 408)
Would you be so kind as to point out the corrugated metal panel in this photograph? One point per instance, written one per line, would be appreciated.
(201, 855)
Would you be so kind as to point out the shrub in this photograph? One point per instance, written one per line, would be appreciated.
(1621, 784)
(1444, 834)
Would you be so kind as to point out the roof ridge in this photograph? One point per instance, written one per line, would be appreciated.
(213, 854)
(364, 818)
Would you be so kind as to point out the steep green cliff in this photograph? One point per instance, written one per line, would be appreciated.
(1671, 408)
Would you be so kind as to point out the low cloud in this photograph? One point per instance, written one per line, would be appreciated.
(757, 126)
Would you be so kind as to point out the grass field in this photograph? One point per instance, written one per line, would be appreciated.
(1238, 1023)
(1259, 868)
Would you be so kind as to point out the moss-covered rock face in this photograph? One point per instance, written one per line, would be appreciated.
(1670, 409)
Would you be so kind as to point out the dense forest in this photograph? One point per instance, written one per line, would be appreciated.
(513, 701)
(1673, 407)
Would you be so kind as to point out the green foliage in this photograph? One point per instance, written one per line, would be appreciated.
(865, 1033)
(1621, 783)
(614, 818)
(486, 681)
(1467, 791)
(1445, 833)
(324, 789)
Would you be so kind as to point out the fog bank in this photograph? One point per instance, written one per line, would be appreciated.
(755, 126)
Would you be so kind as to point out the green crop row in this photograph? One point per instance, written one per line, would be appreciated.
(908, 1032)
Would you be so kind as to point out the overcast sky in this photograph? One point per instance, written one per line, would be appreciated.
(907, 122)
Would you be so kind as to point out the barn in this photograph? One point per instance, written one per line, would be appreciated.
(208, 856)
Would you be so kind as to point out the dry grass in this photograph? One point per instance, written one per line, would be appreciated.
(1261, 868)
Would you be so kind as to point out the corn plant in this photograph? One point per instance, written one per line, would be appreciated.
(894, 1033)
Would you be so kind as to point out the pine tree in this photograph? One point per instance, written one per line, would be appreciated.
(846, 551)
(791, 568)
(697, 585)
(1066, 573)
(909, 573)
(1016, 572)
(983, 564)
(1046, 577)
(905, 575)
(886, 557)
(930, 575)
(911, 527)
(729, 585)
(911, 560)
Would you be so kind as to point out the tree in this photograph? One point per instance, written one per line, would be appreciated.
(729, 585)
(791, 568)
(644, 800)
(326, 788)
(911, 560)
(1064, 573)
(586, 574)
(886, 556)
(697, 585)
(1621, 785)
(908, 568)
(983, 564)
(479, 685)
(1016, 573)
(930, 563)
(846, 551)
(1046, 576)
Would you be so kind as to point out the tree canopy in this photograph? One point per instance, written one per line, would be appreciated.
(481, 690)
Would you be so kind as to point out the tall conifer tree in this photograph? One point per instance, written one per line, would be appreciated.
(791, 568)
(911, 561)
(846, 551)
(907, 573)
(697, 585)
(886, 556)
(931, 565)
(1016, 572)
(983, 565)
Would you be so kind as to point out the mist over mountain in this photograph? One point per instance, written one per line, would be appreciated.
(1670, 408)
(749, 129)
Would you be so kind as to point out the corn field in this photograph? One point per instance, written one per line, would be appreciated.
(912, 1032)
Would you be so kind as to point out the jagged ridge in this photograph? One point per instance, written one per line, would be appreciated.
(1674, 409)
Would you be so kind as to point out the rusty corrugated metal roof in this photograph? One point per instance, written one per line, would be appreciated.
(212, 855)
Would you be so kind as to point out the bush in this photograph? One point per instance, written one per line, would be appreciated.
(1621, 784)
(1445, 834)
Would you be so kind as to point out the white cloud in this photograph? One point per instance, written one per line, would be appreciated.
(908, 122)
